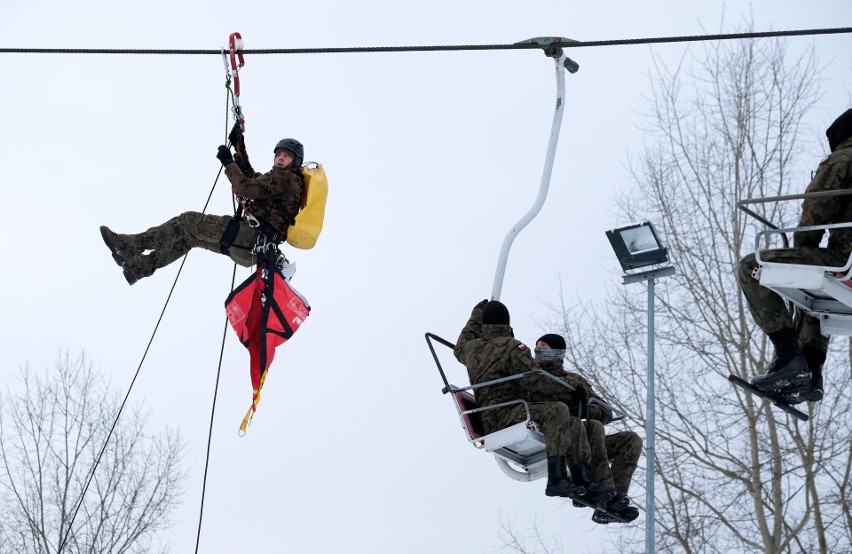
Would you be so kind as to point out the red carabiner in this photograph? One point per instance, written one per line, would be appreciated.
(232, 46)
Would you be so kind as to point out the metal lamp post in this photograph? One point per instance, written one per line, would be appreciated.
(638, 246)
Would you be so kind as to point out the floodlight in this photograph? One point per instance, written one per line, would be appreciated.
(637, 246)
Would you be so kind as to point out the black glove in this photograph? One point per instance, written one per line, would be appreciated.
(481, 304)
(581, 394)
(224, 155)
(236, 137)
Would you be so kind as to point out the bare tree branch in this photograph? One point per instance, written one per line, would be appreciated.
(50, 436)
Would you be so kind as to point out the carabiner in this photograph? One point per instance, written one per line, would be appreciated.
(235, 45)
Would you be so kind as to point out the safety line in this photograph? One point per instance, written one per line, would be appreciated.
(561, 42)
(229, 97)
(212, 414)
(132, 382)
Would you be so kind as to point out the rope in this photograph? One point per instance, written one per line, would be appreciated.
(228, 97)
(212, 413)
(133, 382)
(566, 43)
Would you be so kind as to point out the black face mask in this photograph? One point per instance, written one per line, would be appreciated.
(840, 130)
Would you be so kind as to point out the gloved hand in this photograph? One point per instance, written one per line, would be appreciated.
(224, 155)
(581, 394)
(481, 304)
(236, 136)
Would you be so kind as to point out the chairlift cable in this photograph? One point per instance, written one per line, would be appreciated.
(563, 43)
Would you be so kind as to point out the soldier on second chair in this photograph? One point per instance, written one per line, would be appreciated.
(621, 449)
(800, 355)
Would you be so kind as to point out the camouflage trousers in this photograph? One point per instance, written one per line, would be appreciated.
(768, 309)
(564, 434)
(173, 239)
(621, 449)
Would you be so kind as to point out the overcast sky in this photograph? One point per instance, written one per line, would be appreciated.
(431, 157)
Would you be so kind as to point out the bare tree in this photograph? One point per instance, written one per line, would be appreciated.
(528, 542)
(50, 436)
(736, 474)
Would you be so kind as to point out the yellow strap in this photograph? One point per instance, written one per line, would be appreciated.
(255, 400)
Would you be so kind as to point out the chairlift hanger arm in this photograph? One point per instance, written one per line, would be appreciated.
(562, 62)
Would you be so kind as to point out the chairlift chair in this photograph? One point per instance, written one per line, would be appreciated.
(518, 449)
(824, 292)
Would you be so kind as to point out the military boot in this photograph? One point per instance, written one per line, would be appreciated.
(618, 502)
(558, 483)
(628, 514)
(121, 253)
(790, 368)
(596, 495)
(813, 390)
(115, 246)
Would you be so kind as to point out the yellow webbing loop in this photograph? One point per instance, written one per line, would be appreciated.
(255, 400)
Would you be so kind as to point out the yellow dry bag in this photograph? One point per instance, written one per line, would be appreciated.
(305, 231)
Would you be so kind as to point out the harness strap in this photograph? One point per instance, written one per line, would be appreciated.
(230, 234)
(272, 233)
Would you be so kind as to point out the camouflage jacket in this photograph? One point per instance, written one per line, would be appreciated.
(491, 352)
(274, 197)
(834, 173)
(546, 390)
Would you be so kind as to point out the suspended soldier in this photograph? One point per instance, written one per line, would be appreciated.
(271, 200)
(487, 347)
(800, 355)
(621, 449)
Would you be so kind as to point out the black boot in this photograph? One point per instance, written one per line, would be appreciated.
(618, 502)
(558, 483)
(119, 254)
(628, 514)
(596, 495)
(811, 391)
(790, 368)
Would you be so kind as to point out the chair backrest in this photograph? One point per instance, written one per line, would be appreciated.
(472, 423)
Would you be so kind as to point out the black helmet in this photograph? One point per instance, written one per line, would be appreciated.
(840, 130)
(294, 147)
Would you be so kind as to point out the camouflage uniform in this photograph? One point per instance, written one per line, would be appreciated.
(767, 308)
(490, 352)
(621, 449)
(274, 197)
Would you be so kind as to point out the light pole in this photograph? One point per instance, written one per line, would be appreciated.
(638, 246)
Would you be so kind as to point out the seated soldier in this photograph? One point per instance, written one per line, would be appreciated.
(487, 348)
(623, 447)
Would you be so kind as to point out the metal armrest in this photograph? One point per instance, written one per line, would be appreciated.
(846, 268)
(500, 405)
(620, 414)
(512, 378)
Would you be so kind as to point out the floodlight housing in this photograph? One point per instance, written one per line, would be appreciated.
(637, 246)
